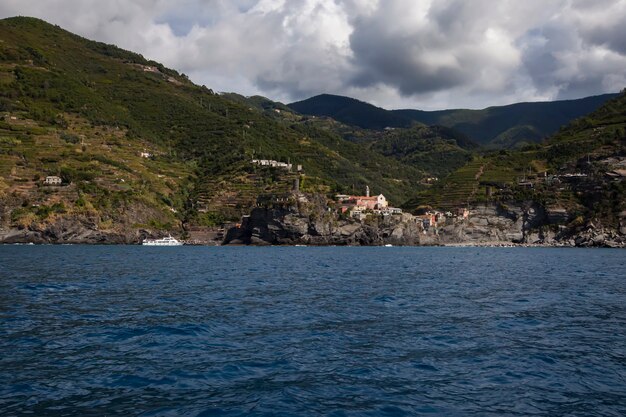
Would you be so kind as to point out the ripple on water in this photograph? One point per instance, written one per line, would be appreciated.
(311, 331)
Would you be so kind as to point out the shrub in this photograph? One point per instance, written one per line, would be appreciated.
(70, 138)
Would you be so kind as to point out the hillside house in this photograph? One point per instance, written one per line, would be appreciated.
(358, 205)
(274, 164)
(358, 213)
(52, 180)
(372, 203)
(361, 202)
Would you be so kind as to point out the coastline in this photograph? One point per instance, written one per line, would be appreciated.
(310, 221)
(497, 244)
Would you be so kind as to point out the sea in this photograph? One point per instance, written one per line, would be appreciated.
(312, 331)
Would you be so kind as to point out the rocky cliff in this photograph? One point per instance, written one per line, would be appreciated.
(530, 223)
(70, 231)
(70, 225)
(308, 220)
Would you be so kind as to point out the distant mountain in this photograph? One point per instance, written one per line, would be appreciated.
(350, 111)
(498, 127)
(256, 102)
(507, 126)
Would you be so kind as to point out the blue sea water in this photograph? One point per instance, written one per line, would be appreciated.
(290, 331)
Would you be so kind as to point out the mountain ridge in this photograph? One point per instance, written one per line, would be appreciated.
(496, 126)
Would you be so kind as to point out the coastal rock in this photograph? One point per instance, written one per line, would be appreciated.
(492, 224)
(71, 230)
(311, 223)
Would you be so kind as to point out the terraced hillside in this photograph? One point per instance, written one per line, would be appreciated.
(106, 181)
(457, 190)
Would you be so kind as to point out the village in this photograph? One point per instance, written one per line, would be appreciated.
(361, 206)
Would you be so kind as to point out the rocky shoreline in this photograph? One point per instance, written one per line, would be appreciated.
(308, 220)
(70, 231)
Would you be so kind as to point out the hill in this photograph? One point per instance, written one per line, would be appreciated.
(435, 149)
(512, 125)
(497, 127)
(350, 111)
(142, 150)
(87, 111)
(257, 102)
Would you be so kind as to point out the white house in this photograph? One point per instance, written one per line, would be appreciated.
(272, 163)
(52, 180)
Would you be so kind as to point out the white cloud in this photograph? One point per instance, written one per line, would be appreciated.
(394, 53)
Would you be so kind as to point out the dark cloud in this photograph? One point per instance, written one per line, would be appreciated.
(441, 47)
(541, 49)
(611, 35)
(580, 54)
(399, 61)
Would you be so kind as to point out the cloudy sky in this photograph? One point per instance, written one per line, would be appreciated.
(427, 54)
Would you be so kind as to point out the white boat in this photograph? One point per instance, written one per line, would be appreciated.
(164, 241)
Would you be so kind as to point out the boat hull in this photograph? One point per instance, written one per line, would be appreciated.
(161, 244)
(166, 241)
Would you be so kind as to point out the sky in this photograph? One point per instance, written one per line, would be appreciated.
(423, 54)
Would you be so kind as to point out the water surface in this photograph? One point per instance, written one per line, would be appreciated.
(197, 331)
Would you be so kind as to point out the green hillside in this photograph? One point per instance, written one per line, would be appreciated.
(350, 111)
(86, 110)
(437, 150)
(257, 102)
(512, 125)
(434, 150)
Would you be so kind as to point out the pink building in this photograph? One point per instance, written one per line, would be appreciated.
(374, 202)
(362, 202)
